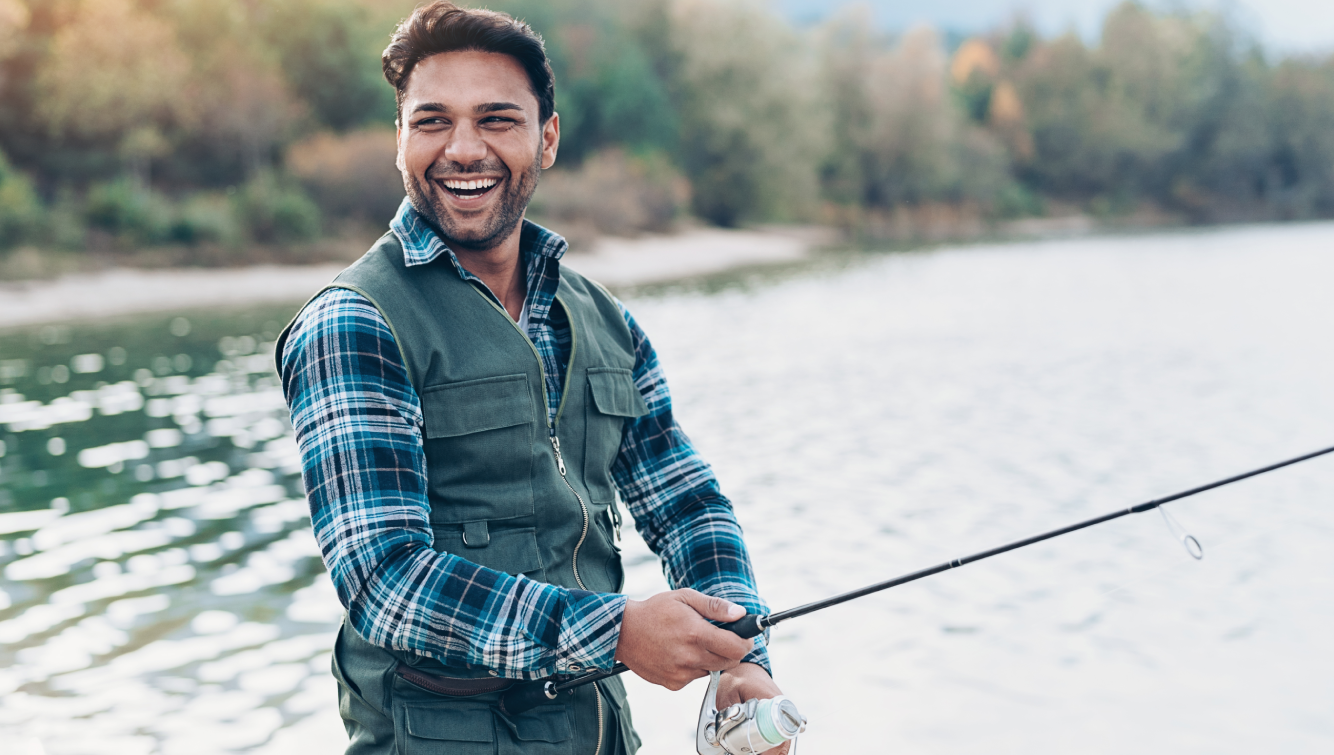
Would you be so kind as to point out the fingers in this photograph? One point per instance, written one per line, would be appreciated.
(725, 646)
(722, 644)
(710, 607)
(668, 641)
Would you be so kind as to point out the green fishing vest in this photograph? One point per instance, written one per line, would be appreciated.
(499, 496)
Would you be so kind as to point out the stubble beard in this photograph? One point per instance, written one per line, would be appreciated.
(505, 215)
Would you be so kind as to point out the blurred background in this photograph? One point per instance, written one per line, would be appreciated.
(923, 279)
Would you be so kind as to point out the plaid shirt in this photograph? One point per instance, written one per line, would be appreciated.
(358, 422)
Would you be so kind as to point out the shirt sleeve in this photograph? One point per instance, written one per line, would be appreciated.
(358, 424)
(674, 497)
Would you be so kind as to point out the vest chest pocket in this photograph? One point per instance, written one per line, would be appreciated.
(614, 400)
(479, 448)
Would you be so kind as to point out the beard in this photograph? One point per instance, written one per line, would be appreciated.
(505, 214)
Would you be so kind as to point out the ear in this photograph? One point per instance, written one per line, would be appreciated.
(550, 140)
(398, 142)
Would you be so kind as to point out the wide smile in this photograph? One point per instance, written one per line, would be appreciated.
(469, 192)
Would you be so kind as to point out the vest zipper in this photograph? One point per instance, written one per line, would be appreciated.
(597, 692)
(560, 461)
(574, 561)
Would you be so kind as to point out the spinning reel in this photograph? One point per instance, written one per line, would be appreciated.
(745, 728)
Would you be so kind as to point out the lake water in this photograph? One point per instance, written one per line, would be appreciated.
(868, 415)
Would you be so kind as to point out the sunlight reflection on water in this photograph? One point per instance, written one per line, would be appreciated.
(162, 592)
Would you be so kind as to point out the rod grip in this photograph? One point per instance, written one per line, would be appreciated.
(746, 627)
(525, 696)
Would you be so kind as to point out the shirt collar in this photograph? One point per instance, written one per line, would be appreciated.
(421, 244)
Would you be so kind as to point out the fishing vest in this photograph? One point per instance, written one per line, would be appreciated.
(505, 492)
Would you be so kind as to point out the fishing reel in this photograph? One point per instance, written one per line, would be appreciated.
(745, 728)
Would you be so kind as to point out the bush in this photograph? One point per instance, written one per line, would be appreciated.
(273, 211)
(20, 212)
(206, 218)
(352, 175)
(614, 193)
(129, 211)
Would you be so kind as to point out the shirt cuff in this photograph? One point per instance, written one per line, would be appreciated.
(590, 626)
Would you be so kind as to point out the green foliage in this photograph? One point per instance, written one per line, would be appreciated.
(129, 211)
(752, 132)
(21, 213)
(276, 211)
(207, 219)
(609, 90)
(718, 103)
(329, 52)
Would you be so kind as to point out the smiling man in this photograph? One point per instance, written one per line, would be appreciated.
(468, 411)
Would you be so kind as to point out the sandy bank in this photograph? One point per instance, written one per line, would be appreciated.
(615, 262)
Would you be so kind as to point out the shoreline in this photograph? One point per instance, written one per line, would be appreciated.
(618, 263)
(614, 262)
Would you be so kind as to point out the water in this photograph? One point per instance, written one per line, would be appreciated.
(869, 416)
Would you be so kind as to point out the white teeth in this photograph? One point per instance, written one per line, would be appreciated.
(484, 183)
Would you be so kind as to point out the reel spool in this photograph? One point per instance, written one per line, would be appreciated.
(747, 728)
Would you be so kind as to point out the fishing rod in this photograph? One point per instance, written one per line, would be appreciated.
(527, 695)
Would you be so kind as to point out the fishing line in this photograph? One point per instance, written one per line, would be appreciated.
(1188, 540)
(1221, 545)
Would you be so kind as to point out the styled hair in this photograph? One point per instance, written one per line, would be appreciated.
(442, 26)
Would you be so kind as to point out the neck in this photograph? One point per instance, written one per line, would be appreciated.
(500, 269)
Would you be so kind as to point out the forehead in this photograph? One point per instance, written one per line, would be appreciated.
(467, 78)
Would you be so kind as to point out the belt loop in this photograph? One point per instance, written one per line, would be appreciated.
(476, 535)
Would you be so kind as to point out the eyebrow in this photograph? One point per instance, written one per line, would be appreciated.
(486, 107)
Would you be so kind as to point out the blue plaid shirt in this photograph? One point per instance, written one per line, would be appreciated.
(358, 422)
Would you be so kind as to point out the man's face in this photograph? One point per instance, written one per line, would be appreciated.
(471, 145)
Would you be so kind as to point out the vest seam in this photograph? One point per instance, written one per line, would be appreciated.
(392, 331)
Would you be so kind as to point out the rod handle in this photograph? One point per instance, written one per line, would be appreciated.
(748, 626)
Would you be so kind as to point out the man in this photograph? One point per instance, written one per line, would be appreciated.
(466, 411)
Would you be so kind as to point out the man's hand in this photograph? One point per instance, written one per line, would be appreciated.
(667, 639)
(744, 682)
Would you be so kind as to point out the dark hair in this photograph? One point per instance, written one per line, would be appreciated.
(444, 27)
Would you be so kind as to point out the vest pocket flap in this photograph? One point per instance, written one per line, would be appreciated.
(614, 392)
(451, 725)
(511, 551)
(473, 406)
(543, 724)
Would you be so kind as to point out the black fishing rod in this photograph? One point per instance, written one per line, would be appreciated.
(528, 695)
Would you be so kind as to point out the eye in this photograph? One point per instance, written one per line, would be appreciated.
(429, 124)
(498, 121)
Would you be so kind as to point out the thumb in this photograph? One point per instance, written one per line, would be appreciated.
(710, 607)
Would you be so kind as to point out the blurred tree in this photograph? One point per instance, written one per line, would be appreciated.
(350, 175)
(900, 137)
(329, 51)
(20, 211)
(14, 18)
(752, 135)
(608, 91)
(244, 103)
(1301, 179)
(117, 72)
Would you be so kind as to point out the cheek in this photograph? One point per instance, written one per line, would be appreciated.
(416, 153)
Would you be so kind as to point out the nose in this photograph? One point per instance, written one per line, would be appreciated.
(465, 145)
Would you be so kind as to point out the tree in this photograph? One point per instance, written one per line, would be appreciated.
(752, 134)
(115, 72)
